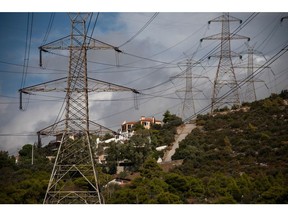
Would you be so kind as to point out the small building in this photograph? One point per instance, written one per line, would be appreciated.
(127, 126)
(147, 122)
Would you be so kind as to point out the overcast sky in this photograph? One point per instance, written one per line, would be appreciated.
(148, 63)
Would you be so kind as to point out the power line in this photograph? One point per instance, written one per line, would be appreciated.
(158, 84)
(248, 20)
(93, 27)
(248, 78)
(50, 23)
(113, 66)
(15, 134)
(158, 53)
(140, 30)
(27, 48)
(145, 58)
(269, 36)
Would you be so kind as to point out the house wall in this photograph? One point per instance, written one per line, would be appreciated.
(146, 122)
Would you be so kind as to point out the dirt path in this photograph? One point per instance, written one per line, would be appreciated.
(182, 132)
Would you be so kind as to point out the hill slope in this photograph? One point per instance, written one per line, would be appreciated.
(235, 156)
(251, 144)
(239, 156)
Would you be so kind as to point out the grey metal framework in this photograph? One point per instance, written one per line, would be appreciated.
(250, 94)
(188, 105)
(74, 177)
(250, 80)
(225, 75)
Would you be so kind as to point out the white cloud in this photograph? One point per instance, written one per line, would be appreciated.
(29, 122)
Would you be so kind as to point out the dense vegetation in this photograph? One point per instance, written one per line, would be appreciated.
(234, 156)
(142, 144)
(25, 182)
(241, 146)
(237, 156)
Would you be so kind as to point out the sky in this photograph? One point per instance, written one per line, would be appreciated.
(148, 63)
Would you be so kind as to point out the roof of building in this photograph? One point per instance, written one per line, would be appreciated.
(150, 119)
(131, 122)
(143, 119)
(147, 119)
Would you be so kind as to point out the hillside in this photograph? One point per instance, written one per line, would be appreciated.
(236, 156)
(247, 148)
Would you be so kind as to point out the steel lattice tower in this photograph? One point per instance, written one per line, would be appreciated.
(75, 164)
(225, 75)
(250, 93)
(188, 105)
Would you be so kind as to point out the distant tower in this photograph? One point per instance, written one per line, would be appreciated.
(250, 94)
(225, 75)
(250, 80)
(74, 177)
(188, 106)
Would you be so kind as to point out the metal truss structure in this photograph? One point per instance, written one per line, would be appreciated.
(250, 80)
(250, 94)
(188, 105)
(74, 177)
(225, 75)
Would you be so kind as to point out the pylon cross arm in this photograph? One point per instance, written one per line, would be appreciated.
(102, 86)
(65, 43)
(225, 17)
(225, 37)
(59, 128)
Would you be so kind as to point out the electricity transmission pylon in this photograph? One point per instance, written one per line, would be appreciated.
(250, 93)
(225, 75)
(188, 105)
(250, 80)
(74, 177)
